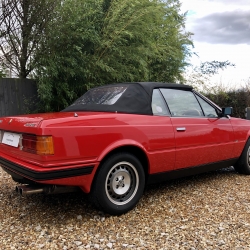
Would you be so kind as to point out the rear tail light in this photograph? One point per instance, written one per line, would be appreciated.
(41, 145)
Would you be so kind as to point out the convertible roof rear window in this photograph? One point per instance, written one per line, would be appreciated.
(105, 95)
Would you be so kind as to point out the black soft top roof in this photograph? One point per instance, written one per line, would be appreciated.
(136, 99)
(149, 86)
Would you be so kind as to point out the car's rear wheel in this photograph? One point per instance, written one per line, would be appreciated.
(242, 166)
(119, 184)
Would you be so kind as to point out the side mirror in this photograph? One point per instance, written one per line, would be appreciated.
(226, 111)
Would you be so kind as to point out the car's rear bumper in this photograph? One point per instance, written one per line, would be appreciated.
(48, 174)
(72, 175)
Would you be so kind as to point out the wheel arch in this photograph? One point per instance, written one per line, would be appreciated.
(242, 166)
(131, 149)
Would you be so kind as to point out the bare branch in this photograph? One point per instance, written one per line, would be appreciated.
(22, 28)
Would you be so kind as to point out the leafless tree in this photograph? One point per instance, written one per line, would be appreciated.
(22, 29)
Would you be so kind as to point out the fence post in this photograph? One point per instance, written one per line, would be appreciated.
(247, 113)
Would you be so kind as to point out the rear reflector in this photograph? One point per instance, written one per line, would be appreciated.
(41, 145)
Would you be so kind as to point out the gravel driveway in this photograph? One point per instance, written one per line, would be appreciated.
(209, 211)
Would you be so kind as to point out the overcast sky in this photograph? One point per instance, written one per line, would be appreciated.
(221, 32)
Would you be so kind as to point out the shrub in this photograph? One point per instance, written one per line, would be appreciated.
(239, 99)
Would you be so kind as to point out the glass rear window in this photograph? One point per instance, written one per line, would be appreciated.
(106, 96)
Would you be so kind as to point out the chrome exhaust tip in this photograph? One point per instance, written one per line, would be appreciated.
(25, 190)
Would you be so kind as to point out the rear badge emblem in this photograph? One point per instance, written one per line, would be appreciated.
(10, 121)
(30, 125)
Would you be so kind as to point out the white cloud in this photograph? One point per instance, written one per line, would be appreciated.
(231, 27)
(233, 2)
(221, 32)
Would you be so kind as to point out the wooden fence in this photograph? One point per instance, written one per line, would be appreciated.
(17, 96)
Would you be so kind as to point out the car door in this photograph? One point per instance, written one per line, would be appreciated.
(201, 136)
(162, 141)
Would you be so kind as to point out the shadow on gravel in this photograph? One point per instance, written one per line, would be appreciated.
(199, 179)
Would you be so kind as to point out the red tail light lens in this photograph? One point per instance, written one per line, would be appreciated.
(41, 145)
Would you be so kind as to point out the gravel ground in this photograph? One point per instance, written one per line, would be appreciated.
(209, 211)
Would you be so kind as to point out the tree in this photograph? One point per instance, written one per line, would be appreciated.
(106, 41)
(2, 74)
(22, 28)
(213, 67)
(200, 77)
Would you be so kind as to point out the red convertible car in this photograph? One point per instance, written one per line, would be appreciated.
(115, 139)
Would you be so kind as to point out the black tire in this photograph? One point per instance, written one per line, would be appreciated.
(242, 166)
(119, 184)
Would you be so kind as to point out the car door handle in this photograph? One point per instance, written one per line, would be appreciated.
(181, 129)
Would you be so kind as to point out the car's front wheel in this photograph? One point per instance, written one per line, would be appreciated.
(119, 184)
(242, 166)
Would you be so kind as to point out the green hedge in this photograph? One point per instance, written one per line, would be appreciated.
(238, 99)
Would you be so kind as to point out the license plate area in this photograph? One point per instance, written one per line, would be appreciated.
(11, 139)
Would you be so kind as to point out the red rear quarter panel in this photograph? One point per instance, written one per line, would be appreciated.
(85, 139)
(91, 138)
